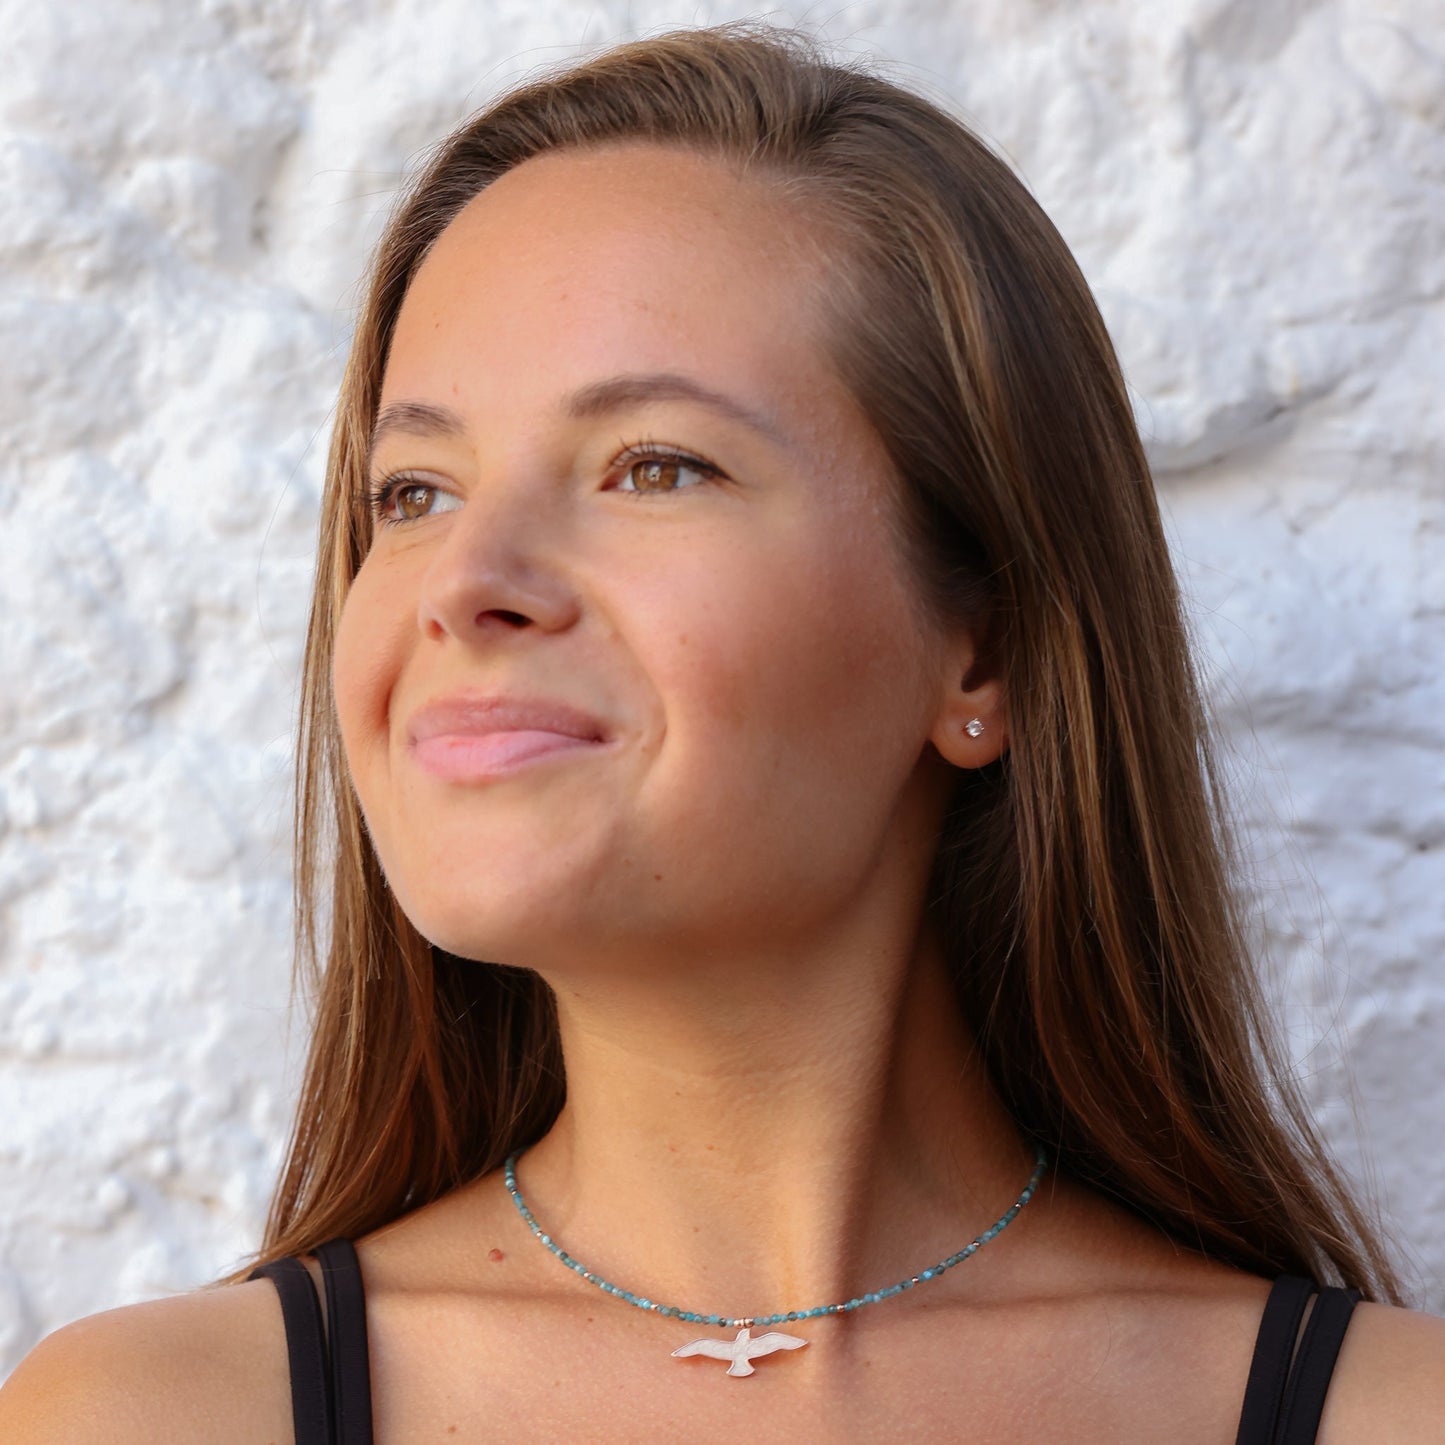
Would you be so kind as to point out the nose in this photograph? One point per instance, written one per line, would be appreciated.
(499, 567)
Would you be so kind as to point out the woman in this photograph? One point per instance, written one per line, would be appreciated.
(779, 911)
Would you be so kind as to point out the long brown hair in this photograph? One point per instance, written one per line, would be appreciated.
(1082, 883)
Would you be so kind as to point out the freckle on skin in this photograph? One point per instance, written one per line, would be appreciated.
(496, 1256)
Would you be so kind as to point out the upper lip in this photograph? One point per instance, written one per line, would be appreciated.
(477, 714)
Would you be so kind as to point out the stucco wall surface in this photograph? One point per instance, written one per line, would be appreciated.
(187, 193)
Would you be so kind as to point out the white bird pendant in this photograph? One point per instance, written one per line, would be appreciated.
(743, 1350)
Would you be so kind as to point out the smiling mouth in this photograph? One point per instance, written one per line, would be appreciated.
(470, 757)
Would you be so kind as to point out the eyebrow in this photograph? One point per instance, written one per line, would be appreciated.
(416, 418)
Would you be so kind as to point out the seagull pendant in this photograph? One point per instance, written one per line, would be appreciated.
(743, 1350)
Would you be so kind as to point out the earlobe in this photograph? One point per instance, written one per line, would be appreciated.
(972, 728)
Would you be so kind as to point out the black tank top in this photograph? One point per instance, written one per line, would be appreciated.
(331, 1382)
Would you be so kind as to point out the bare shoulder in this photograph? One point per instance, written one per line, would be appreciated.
(207, 1365)
(1389, 1380)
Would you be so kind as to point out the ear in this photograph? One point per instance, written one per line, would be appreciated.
(971, 726)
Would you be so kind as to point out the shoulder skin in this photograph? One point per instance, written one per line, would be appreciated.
(1388, 1384)
(209, 1365)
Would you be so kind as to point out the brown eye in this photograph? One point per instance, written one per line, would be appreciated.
(413, 500)
(397, 500)
(658, 473)
(655, 476)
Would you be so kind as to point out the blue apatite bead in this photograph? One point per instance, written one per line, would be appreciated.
(645, 1303)
(714, 1319)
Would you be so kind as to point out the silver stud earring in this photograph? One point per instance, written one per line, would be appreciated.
(973, 727)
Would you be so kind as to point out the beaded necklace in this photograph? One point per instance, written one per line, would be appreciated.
(747, 1346)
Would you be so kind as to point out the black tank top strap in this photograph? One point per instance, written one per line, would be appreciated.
(311, 1413)
(1304, 1401)
(1273, 1351)
(1285, 1394)
(350, 1355)
(330, 1384)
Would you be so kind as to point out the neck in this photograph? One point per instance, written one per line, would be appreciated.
(731, 1147)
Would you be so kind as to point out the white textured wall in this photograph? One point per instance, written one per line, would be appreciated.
(1257, 190)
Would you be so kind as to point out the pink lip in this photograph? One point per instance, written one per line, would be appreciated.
(475, 737)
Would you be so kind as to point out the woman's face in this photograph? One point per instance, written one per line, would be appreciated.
(735, 621)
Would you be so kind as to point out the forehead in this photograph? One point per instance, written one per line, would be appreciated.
(582, 264)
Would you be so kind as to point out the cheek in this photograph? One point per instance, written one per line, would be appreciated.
(801, 658)
(364, 667)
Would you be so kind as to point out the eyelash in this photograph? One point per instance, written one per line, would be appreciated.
(380, 495)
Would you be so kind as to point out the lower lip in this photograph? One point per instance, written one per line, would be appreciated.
(469, 757)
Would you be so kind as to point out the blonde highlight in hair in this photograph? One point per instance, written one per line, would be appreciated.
(1082, 882)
